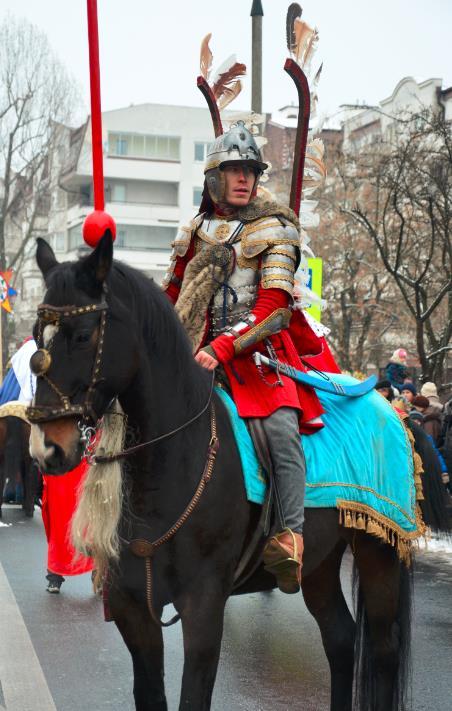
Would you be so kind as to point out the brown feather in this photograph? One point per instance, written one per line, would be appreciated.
(226, 78)
(311, 48)
(303, 37)
(206, 57)
(229, 94)
(293, 12)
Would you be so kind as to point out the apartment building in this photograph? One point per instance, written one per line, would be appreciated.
(153, 174)
(153, 170)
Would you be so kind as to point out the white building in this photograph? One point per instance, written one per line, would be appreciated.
(153, 173)
(362, 124)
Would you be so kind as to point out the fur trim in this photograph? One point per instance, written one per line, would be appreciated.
(263, 207)
(203, 276)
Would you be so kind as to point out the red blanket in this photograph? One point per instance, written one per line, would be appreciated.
(58, 505)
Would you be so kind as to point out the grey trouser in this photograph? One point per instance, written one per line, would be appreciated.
(289, 466)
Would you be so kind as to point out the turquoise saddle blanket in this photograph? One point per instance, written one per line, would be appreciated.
(362, 455)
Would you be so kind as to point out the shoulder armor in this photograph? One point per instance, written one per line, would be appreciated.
(180, 246)
(268, 232)
(183, 237)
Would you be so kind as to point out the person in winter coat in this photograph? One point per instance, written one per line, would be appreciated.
(384, 388)
(418, 418)
(445, 438)
(430, 391)
(432, 417)
(396, 370)
(408, 392)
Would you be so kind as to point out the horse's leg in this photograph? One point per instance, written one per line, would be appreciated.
(27, 483)
(202, 615)
(386, 592)
(145, 643)
(325, 601)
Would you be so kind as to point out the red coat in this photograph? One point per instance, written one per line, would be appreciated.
(252, 396)
(59, 501)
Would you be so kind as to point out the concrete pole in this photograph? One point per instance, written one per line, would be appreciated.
(257, 14)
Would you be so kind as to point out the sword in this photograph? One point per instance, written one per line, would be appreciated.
(324, 383)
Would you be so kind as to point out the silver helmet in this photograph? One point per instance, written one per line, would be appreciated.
(235, 146)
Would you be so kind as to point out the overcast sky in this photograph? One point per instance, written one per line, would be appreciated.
(150, 48)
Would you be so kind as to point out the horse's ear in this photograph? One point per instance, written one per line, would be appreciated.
(45, 257)
(98, 264)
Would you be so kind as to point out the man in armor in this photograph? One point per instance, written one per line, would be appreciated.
(231, 278)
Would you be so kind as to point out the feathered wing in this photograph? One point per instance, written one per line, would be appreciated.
(206, 57)
(293, 12)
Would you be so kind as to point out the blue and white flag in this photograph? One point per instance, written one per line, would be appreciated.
(20, 383)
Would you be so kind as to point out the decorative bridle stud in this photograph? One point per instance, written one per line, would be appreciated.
(40, 362)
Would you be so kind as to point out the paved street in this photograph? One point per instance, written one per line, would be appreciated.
(56, 653)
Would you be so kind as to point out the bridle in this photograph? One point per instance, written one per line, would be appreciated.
(41, 361)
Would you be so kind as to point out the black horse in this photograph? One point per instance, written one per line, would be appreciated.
(111, 333)
(17, 470)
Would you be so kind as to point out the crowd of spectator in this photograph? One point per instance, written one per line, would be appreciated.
(424, 408)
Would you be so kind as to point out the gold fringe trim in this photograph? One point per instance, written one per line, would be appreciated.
(361, 517)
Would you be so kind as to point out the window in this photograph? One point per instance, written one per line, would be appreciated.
(120, 238)
(134, 145)
(60, 199)
(118, 192)
(75, 237)
(200, 151)
(197, 196)
(145, 237)
(58, 242)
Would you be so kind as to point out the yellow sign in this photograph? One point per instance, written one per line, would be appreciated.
(315, 267)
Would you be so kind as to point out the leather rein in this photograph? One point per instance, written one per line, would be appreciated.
(40, 364)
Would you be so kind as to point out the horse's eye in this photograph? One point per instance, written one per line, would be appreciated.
(82, 337)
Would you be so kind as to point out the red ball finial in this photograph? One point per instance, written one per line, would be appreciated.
(95, 226)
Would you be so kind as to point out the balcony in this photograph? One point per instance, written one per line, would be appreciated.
(131, 213)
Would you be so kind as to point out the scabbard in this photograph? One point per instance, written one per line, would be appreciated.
(321, 382)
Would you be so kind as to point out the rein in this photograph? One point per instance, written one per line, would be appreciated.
(145, 549)
(94, 459)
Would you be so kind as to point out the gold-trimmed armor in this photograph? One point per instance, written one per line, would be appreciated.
(266, 252)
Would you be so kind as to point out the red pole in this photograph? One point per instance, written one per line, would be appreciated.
(98, 222)
(96, 116)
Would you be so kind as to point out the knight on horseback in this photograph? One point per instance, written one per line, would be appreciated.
(231, 278)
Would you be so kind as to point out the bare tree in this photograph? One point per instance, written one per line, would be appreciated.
(356, 287)
(403, 192)
(36, 95)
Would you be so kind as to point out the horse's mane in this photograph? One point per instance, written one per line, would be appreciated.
(144, 300)
(154, 312)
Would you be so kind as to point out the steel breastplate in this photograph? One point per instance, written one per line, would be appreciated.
(234, 300)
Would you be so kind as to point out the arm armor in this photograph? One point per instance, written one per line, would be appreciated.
(276, 322)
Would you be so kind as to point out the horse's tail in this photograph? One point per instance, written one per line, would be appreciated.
(365, 674)
(434, 504)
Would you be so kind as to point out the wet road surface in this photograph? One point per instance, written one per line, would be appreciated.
(272, 658)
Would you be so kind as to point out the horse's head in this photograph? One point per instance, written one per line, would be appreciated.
(87, 355)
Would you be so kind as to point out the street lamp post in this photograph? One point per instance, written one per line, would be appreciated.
(257, 14)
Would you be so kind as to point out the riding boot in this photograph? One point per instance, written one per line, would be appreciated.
(282, 557)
